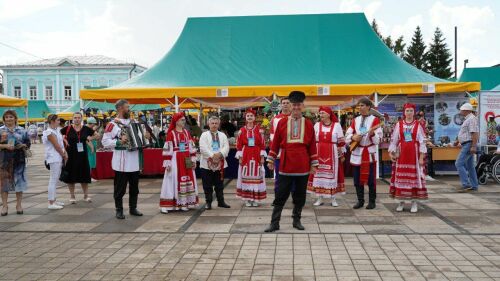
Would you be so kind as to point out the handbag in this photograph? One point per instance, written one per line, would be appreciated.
(188, 162)
(64, 177)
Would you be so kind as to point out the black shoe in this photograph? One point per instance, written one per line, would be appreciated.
(119, 214)
(223, 205)
(370, 206)
(272, 228)
(135, 212)
(358, 205)
(297, 224)
(208, 206)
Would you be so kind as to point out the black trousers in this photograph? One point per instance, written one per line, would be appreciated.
(287, 184)
(212, 181)
(372, 184)
(120, 187)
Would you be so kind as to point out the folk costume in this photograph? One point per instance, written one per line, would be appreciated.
(408, 177)
(251, 147)
(274, 124)
(126, 165)
(363, 158)
(179, 189)
(329, 177)
(294, 139)
(212, 171)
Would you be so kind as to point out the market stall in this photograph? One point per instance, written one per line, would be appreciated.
(31, 111)
(247, 61)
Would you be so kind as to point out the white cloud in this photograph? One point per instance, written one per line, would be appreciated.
(99, 35)
(475, 24)
(407, 28)
(353, 6)
(15, 9)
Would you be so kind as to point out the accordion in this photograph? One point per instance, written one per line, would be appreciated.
(135, 136)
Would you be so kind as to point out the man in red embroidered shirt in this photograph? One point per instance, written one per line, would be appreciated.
(294, 138)
(364, 130)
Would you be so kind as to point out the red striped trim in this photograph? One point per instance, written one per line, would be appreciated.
(247, 194)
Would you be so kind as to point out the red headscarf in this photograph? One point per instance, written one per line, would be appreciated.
(249, 110)
(176, 117)
(409, 105)
(329, 111)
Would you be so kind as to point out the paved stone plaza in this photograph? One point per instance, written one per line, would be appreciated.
(454, 236)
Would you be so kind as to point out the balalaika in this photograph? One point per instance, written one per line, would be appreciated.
(135, 135)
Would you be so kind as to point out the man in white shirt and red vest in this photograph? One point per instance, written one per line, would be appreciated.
(366, 133)
(214, 148)
(125, 163)
(295, 140)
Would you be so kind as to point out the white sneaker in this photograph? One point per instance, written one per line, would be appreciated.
(429, 178)
(72, 200)
(318, 202)
(59, 203)
(163, 210)
(248, 203)
(184, 209)
(55, 207)
(334, 202)
(255, 204)
(93, 180)
(400, 207)
(414, 207)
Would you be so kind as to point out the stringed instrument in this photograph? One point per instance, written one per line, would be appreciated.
(355, 144)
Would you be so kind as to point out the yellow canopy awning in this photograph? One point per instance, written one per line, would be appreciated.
(160, 95)
(6, 101)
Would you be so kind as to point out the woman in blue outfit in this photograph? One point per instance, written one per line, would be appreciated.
(14, 142)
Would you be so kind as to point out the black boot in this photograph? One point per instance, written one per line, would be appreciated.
(359, 205)
(360, 193)
(275, 219)
(297, 212)
(135, 212)
(119, 214)
(220, 199)
(371, 205)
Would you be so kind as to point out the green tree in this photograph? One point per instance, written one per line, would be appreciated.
(415, 54)
(388, 42)
(399, 47)
(439, 57)
(375, 28)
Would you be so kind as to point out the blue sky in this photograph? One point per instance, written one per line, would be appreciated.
(143, 31)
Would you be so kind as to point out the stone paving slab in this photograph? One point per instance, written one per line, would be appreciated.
(210, 256)
(452, 237)
(446, 212)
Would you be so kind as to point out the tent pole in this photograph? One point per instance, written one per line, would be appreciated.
(26, 117)
(199, 116)
(176, 104)
(376, 155)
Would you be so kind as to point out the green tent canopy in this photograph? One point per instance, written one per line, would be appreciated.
(488, 76)
(261, 55)
(38, 110)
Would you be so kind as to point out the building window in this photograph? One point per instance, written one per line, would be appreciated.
(67, 92)
(48, 93)
(17, 92)
(32, 92)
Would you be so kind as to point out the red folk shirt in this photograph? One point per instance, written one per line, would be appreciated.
(295, 140)
(274, 124)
